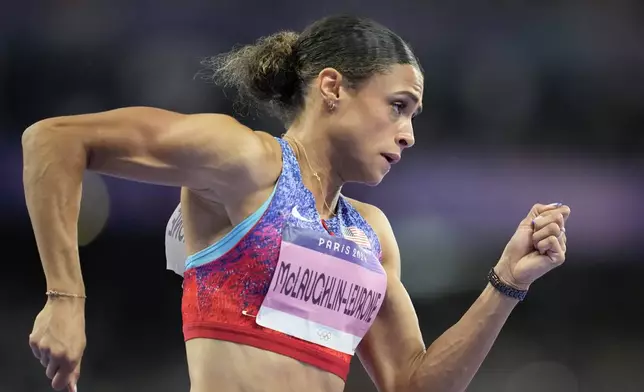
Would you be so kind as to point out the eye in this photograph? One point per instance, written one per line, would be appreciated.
(399, 107)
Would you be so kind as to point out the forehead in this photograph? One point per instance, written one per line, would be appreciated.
(401, 77)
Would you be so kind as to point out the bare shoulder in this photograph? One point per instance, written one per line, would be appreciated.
(247, 160)
(209, 152)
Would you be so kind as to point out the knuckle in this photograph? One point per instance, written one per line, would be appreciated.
(60, 356)
(552, 229)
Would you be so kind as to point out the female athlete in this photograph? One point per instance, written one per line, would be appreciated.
(286, 277)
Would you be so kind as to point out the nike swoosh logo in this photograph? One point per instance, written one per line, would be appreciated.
(299, 216)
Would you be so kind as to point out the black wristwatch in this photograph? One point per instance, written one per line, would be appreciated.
(504, 288)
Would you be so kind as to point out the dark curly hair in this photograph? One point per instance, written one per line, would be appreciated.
(273, 74)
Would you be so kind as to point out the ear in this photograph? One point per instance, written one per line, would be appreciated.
(330, 83)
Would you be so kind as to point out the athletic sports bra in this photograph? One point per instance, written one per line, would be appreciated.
(339, 275)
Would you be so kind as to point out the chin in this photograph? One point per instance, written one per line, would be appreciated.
(374, 178)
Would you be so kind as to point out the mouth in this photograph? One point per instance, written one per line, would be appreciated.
(392, 159)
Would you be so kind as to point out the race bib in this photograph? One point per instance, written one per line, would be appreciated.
(326, 290)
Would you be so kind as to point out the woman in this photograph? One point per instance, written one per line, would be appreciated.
(286, 277)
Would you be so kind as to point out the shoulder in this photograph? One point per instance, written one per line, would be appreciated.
(241, 160)
(378, 220)
(235, 136)
(372, 214)
(249, 153)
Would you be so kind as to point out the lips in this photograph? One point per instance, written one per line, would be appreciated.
(391, 158)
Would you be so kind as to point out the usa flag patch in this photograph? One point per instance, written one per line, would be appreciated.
(356, 235)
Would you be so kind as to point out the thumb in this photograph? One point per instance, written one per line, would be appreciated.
(537, 210)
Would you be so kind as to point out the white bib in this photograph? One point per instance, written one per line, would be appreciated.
(325, 290)
(175, 247)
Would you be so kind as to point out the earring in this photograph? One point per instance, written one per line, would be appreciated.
(331, 105)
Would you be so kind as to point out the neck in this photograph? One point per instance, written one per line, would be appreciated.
(314, 156)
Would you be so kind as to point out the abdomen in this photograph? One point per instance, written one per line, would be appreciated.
(225, 366)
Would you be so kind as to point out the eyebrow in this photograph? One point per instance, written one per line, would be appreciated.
(415, 99)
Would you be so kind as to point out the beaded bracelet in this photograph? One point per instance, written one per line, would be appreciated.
(54, 293)
(504, 288)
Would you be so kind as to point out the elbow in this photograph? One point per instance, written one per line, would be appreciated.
(48, 139)
(47, 132)
(36, 133)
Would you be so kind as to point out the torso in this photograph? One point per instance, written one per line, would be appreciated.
(219, 365)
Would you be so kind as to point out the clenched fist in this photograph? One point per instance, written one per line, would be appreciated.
(537, 246)
(58, 340)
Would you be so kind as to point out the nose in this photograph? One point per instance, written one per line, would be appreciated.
(405, 140)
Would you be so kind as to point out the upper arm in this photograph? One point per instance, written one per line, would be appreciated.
(199, 151)
(394, 342)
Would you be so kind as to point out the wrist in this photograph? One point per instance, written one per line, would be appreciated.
(68, 291)
(71, 283)
(499, 297)
(504, 288)
(64, 294)
(505, 275)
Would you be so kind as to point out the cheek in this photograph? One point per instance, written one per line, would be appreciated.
(376, 120)
(365, 124)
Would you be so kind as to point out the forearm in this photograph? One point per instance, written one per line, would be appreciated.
(450, 362)
(52, 175)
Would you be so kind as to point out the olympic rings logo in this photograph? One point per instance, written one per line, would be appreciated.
(324, 335)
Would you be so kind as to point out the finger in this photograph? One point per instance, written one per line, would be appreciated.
(33, 344)
(553, 209)
(551, 229)
(73, 380)
(537, 210)
(52, 369)
(562, 239)
(62, 380)
(562, 210)
(565, 211)
(550, 246)
(543, 221)
(44, 357)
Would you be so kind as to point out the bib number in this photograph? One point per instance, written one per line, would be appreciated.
(325, 290)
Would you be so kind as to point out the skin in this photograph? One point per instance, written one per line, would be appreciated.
(203, 153)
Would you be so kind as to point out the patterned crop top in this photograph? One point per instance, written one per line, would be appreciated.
(226, 284)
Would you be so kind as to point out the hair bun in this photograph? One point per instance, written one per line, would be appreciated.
(273, 74)
(264, 74)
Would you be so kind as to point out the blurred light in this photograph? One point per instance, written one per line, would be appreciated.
(95, 207)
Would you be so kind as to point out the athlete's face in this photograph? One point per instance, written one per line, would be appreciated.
(372, 125)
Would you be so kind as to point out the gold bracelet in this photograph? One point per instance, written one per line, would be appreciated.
(54, 293)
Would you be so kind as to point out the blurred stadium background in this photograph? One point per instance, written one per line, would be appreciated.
(525, 102)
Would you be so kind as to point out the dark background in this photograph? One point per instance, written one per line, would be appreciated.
(525, 102)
